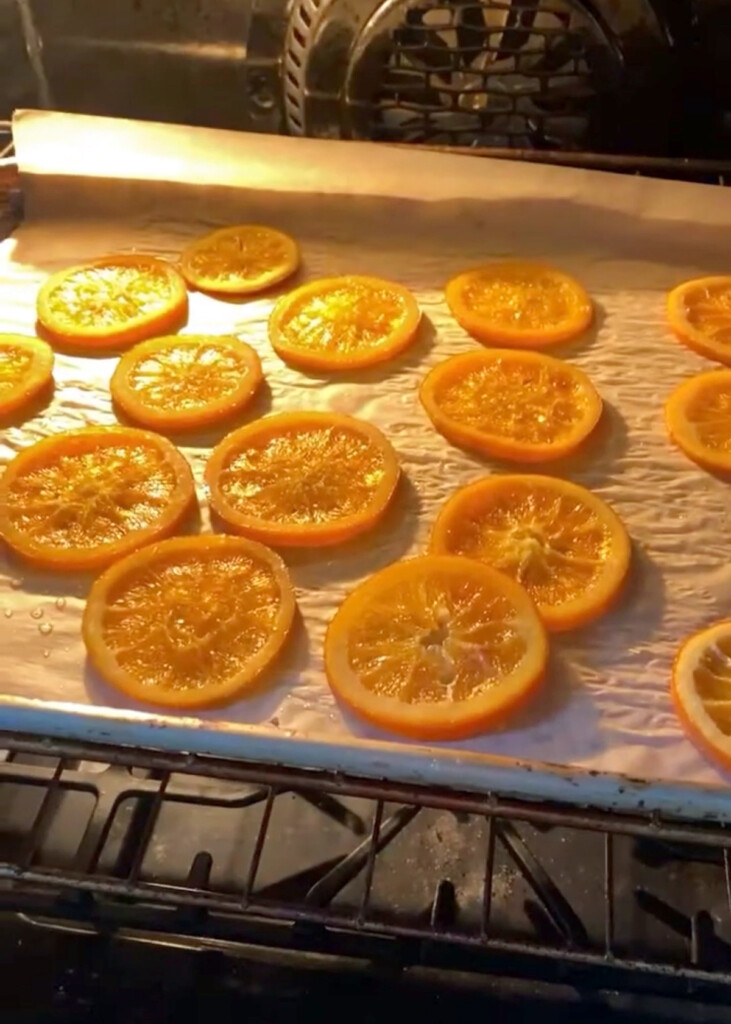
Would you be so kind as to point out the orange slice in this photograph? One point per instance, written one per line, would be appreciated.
(701, 690)
(113, 301)
(26, 369)
(436, 648)
(185, 381)
(80, 499)
(344, 323)
(698, 418)
(189, 622)
(563, 543)
(240, 260)
(523, 406)
(699, 312)
(302, 478)
(519, 304)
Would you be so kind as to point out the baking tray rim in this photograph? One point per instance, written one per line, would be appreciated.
(425, 766)
(392, 761)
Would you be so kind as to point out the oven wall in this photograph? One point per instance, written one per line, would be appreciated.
(172, 60)
(17, 88)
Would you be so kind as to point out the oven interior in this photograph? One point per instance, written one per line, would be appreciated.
(130, 880)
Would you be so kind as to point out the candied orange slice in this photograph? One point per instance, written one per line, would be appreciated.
(519, 304)
(436, 647)
(240, 260)
(701, 690)
(523, 406)
(117, 300)
(80, 499)
(344, 323)
(26, 369)
(563, 543)
(303, 478)
(185, 381)
(189, 622)
(698, 418)
(699, 312)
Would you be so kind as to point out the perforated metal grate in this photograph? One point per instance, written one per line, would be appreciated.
(519, 73)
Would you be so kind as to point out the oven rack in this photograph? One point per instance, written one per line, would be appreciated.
(98, 878)
(6, 140)
(106, 881)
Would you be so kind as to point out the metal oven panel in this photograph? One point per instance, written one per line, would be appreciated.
(618, 76)
(204, 62)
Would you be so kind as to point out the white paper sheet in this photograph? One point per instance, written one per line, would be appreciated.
(95, 186)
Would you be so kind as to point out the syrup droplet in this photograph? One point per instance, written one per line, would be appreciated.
(8, 613)
(16, 584)
(45, 628)
(60, 603)
(37, 613)
(46, 653)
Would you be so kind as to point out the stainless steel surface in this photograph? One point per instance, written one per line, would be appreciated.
(17, 87)
(34, 51)
(169, 60)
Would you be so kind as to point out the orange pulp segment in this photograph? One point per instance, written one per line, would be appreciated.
(436, 647)
(189, 622)
(302, 478)
(344, 323)
(117, 300)
(699, 312)
(26, 369)
(80, 499)
(240, 260)
(561, 542)
(701, 689)
(185, 381)
(698, 418)
(519, 303)
(523, 406)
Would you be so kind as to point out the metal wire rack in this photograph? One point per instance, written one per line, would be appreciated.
(143, 843)
(6, 140)
(90, 851)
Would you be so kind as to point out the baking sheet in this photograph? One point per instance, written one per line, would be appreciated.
(603, 732)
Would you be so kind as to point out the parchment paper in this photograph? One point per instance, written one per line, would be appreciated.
(94, 186)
